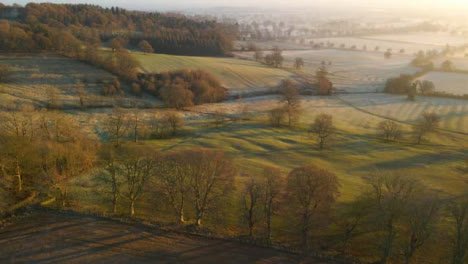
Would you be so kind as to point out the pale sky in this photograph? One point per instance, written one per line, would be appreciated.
(176, 4)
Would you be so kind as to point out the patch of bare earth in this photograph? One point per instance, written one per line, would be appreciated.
(59, 238)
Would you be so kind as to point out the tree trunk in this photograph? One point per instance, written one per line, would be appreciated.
(388, 243)
(198, 217)
(305, 237)
(411, 249)
(419, 138)
(20, 180)
(64, 196)
(114, 203)
(268, 231)
(321, 143)
(132, 207)
(251, 223)
(305, 232)
(181, 215)
(135, 133)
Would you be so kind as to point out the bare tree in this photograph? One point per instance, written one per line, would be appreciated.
(311, 193)
(324, 129)
(136, 124)
(459, 214)
(272, 186)
(116, 126)
(290, 96)
(174, 121)
(174, 175)
(391, 195)
(212, 173)
(426, 87)
(110, 176)
(19, 122)
(137, 166)
(420, 223)
(298, 63)
(52, 93)
(277, 57)
(277, 116)
(251, 199)
(390, 130)
(428, 124)
(351, 218)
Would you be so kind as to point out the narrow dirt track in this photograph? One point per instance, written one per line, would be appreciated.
(59, 238)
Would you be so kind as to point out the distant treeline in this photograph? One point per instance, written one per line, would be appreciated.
(32, 28)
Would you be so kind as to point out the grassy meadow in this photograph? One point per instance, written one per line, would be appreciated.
(34, 74)
(239, 76)
(355, 153)
(351, 71)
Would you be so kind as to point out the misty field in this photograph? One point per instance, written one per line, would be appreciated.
(353, 71)
(239, 76)
(369, 44)
(423, 38)
(452, 83)
(459, 61)
(34, 74)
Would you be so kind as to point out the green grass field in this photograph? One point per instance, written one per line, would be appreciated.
(239, 76)
(355, 153)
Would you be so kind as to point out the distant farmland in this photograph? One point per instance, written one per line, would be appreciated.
(453, 83)
(423, 38)
(353, 71)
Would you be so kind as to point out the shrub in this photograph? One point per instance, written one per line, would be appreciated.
(136, 89)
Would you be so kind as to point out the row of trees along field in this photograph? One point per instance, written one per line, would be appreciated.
(44, 153)
(409, 84)
(288, 113)
(169, 33)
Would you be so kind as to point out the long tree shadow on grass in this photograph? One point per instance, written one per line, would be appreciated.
(425, 159)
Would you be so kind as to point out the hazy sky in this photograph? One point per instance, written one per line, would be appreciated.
(177, 4)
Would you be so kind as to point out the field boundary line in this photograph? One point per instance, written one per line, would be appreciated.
(394, 119)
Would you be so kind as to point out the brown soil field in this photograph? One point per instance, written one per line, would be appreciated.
(50, 237)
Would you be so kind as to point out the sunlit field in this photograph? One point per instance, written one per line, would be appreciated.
(35, 74)
(255, 132)
(452, 83)
(239, 76)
